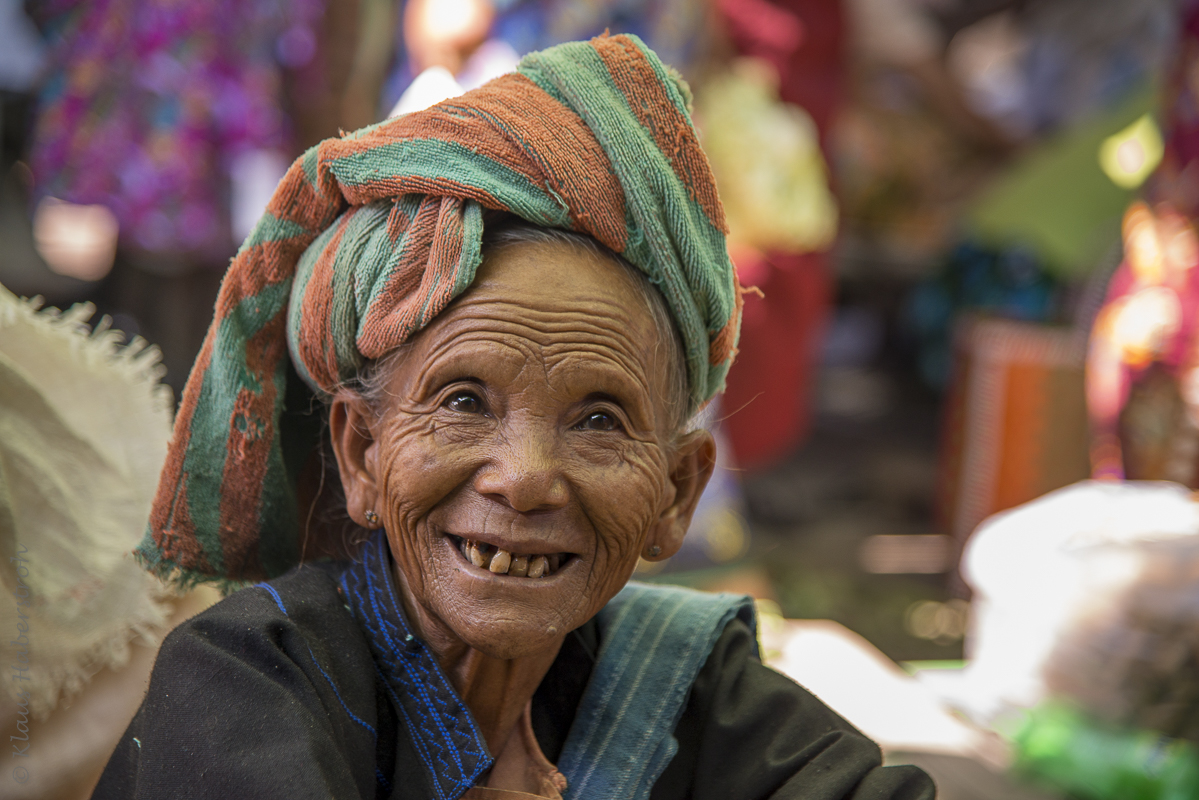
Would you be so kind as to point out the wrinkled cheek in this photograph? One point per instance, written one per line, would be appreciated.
(413, 488)
(410, 546)
(623, 506)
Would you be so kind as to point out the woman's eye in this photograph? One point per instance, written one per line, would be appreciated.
(464, 403)
(600, 421)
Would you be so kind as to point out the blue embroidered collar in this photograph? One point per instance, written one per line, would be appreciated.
(446, 738)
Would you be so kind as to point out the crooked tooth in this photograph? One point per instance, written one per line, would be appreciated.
(477, 557)
(500, 562)
(520, 566)
(537, 566)
(555, 560)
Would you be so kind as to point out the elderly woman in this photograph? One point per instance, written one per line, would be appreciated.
(510, 305)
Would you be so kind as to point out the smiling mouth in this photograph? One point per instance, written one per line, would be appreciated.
(501, 562)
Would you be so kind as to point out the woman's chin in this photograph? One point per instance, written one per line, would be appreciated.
(501, 637)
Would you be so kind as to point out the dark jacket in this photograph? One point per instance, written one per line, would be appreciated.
(306, 688)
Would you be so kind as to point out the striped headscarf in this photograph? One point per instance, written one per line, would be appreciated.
(369, 236)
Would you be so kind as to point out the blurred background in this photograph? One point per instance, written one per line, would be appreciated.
(971, 225)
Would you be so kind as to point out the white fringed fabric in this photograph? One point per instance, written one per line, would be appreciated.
(84, 425)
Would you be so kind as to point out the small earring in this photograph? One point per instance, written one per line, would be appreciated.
(372, 519)
(653, 550)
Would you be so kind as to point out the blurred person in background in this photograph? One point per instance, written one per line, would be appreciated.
(159, 132)
(765, 113)
(1143, 366)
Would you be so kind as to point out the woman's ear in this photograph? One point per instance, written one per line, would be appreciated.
(354, 447)
(695, 458)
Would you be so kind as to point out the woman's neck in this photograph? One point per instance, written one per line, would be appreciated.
(496, 690)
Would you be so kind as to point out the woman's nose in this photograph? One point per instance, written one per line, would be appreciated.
(525, 472)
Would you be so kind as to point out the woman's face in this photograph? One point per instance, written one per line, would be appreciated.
(526, 430)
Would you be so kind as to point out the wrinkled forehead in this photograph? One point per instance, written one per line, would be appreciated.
(550, 311)
(554, 272)
(553, 296)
